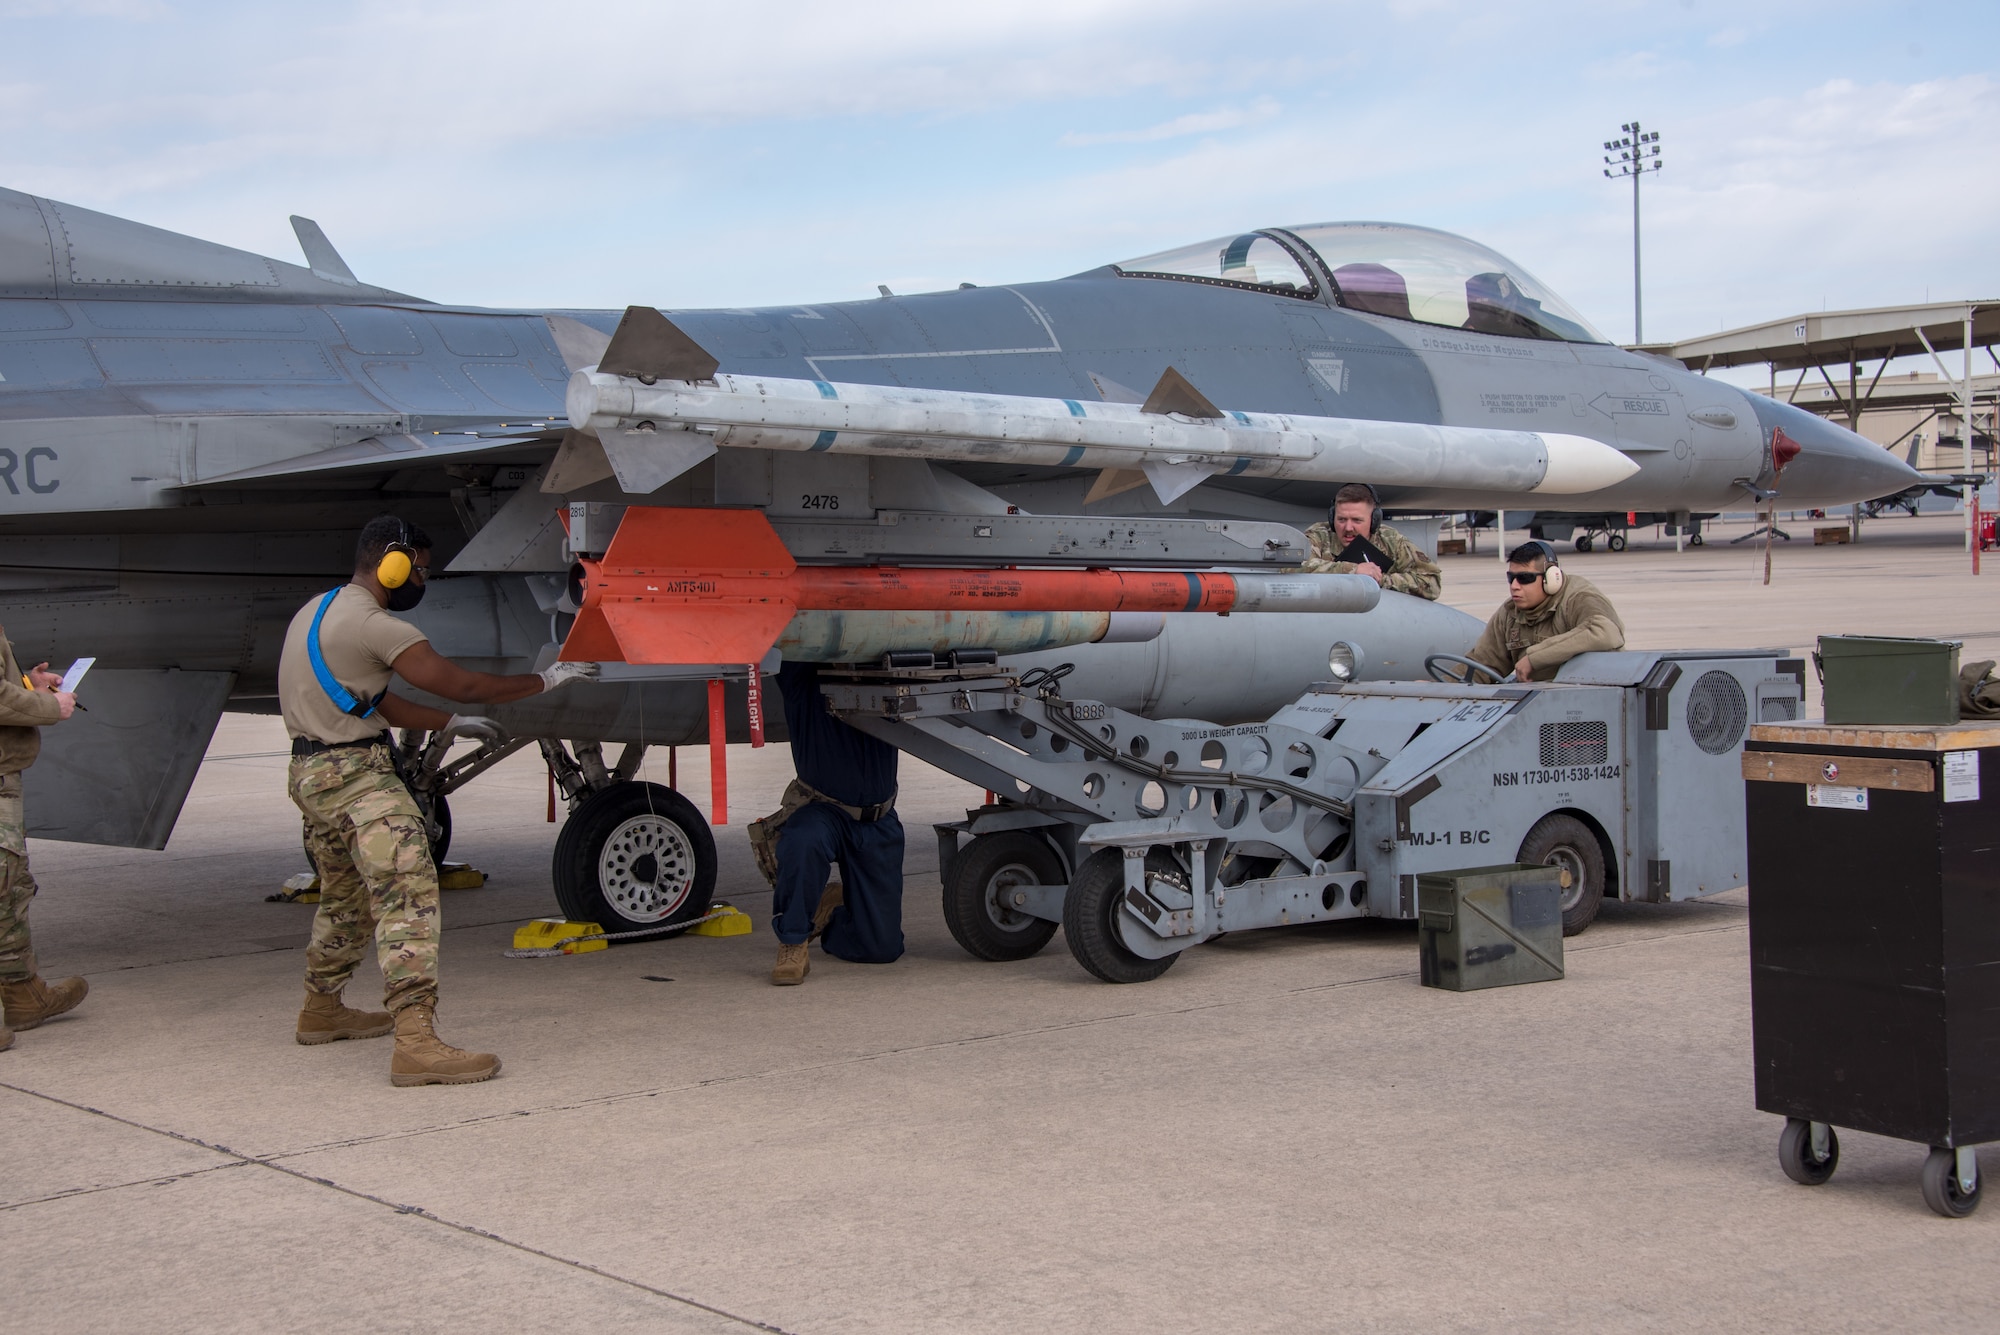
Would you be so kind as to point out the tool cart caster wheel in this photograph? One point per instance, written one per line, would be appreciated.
(1795, 1153)
(1090, 918)
(1616, 542)
(977, 906)
(1942, 1190)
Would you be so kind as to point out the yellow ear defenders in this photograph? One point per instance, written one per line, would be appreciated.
(1552, 578)
(398, 561)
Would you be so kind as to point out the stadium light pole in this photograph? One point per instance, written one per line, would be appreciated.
(1634, 153)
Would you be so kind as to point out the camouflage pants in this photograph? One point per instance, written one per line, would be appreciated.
(368, 844)
(17, 886)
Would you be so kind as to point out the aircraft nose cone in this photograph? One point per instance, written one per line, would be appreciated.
(1833, 466)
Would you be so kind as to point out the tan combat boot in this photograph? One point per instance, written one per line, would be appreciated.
(28, 1004)
(792, 966)
(830, 899)
(422, 1058)
(6, 1039)
(324, 1020)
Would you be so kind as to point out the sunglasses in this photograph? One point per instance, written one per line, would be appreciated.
(1523, 576)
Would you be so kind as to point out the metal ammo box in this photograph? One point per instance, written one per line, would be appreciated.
(1885, 679)
(1490, 926)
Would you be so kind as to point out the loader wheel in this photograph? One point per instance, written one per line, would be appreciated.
(1090, 918)
(1564, 841)
(633, 856)
(977, 907)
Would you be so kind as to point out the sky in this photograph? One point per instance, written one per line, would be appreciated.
(1816, 155)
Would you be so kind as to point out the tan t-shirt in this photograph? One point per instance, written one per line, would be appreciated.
(359, 640)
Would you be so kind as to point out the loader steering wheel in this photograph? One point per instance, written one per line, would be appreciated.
(1435, 665)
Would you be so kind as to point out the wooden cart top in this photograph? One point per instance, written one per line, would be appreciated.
(1965, 735)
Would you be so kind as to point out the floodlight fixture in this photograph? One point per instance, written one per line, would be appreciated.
(1638, 152)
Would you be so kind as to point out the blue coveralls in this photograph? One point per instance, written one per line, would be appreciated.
(853, 768)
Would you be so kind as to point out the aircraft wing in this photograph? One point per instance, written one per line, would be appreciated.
(501, 442)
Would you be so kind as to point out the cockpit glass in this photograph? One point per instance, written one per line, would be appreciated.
(1249, 260)
(1414, 273)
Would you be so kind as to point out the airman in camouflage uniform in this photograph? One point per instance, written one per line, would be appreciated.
(1356, 513)
(28, 702)
(367, 837)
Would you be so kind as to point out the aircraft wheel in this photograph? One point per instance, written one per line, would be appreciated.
(977, 906)
(1583, 543)
(1090, 918)
(1566, 842)
(1616, 542)
(1697, 540)
(1942, 1191)
(1795, 1153)
(633, 856)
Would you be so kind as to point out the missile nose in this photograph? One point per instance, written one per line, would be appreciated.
(1579, 465)
(1832, 466)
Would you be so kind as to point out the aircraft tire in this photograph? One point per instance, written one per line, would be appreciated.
(987, 927)
(634, 856)
(1697, 540)
(1090, 919)
(1583, 543)
(1616, 542)
(1564, 841)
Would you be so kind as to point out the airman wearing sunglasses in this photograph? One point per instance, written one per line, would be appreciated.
(1550, 617)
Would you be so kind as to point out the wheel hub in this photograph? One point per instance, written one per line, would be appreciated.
(1000, 906)
(646, 868)
(1571, 863)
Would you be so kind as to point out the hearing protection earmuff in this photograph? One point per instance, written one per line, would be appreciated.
(1552, 578)
(398, 561)
(1375, 510)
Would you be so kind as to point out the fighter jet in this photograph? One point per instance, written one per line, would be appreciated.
(191, 434)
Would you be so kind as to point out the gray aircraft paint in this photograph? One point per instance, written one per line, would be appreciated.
(190, 435)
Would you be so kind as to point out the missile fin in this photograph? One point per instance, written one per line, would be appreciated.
(577, 343)
(1174, 394)
(1173, 481)
(645, 461)
(1112, 392)
(697, 631)
(580, 460)
(649, 347)
(591, 640)
(719, 542)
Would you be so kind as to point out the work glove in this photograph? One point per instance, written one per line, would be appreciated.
(562, 674)
(477, 727)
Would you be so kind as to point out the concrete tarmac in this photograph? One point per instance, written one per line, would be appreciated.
(1283, 1133)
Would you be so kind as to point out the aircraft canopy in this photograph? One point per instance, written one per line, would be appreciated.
(1388, 269)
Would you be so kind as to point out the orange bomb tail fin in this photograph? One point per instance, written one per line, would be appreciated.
(676, 614)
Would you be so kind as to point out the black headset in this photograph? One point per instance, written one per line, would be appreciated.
(1374, 500)
(1552, 578)
(399, 559)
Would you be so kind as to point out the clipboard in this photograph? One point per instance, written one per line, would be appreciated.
(74, 676)
(1361, 552)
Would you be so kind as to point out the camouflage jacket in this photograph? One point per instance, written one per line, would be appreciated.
(23, 714)
(1411, 569)
(1578, 620)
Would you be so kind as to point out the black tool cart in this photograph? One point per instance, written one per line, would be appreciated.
(1874, 865)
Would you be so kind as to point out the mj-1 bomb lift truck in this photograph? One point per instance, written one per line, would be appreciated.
(1142, 837)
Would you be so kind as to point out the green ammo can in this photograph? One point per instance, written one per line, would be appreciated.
(1884, 679)
(1490, 926)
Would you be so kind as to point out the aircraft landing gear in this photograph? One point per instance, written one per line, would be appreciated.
(631, 855)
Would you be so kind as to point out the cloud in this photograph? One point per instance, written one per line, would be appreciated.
(1180, 127)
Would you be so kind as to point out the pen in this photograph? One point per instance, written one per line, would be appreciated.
(31, 686)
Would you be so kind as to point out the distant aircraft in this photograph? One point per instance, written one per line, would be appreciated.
(190, 435)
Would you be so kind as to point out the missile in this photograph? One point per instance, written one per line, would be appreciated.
(659, 405)
(718, 586)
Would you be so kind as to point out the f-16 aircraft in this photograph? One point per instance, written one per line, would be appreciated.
(190, 436)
